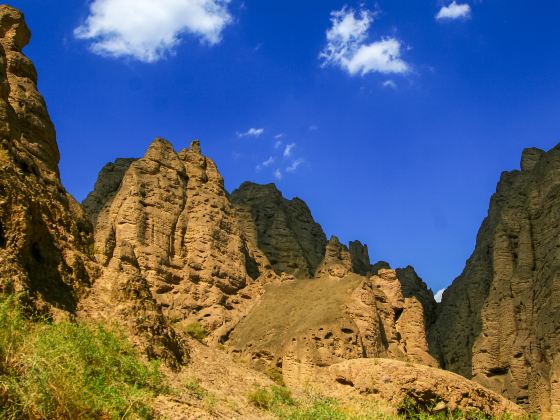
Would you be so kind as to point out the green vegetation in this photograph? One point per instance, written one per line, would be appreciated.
(194, 388)
(69, 371)
(275, 374)
(279, 402)
(196, 331)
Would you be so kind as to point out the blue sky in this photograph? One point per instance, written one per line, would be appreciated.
(391, 119)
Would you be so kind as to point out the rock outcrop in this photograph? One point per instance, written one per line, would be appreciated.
(167, 219)
(285, 230)
(499, 322)
(394, 382)
(106, 186)
(332, 318)
(45, 237)
(359, 254)
(337, 261)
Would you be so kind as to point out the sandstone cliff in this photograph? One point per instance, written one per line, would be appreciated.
(499, 322)
(165, 220)
(285, 230)
(45, 237)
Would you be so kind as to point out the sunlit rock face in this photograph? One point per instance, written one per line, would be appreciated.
(499, 322)
(45, 237)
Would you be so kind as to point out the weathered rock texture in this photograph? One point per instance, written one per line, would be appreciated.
(499, 322)
(394, 382)
(168, 219)
(285, 230)
(337, 261)
(45, 237)
(107, 185)
(330, 318)
(360, 258)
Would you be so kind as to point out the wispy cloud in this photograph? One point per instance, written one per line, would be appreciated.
(289, 149)
(347, 46)
(389, 84)
(278, 174)
(279, 136)
(295, 164)
(265, 164)
(278, 144)
(149, 30)
(252, 132)
(454, 11)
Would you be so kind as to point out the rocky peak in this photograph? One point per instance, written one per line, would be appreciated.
(359, 253)
(33, 138)
(107, 184)
(337, 261)
(285, 230)
(530, 158)
(13, 30)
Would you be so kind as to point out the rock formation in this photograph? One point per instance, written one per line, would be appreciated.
(336, 317)
(167, 218)
(285, 230)
(337, 261)
(360, 258)
(393, 381)
(107, 185)
(499, 322)
(45, 237)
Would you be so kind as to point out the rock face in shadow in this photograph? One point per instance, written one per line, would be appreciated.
(106, 186)
(359, 254)
(45, 237)
(499, 322)
(285, 230)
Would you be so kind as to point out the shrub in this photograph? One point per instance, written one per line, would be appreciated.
(271, 398)
(69, 371)
(196, 331)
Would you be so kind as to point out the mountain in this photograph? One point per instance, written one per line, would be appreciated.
(232, 288)
(499, 322)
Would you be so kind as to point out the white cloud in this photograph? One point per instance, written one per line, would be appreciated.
(289, 149)
(390, 84)
(252, 132)
(278, 174)
(265, 164)
(347, 47)
(313, 128)
(280, 136)
(295, 164)
(454, 11)
(278, 144)
(147, 30)
(438, 296)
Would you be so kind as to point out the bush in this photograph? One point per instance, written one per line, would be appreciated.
(196, 331)
(70, 371)
(271, 398)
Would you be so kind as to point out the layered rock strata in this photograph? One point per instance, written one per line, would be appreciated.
(499, 322)
(168, 217)
(45, 237)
